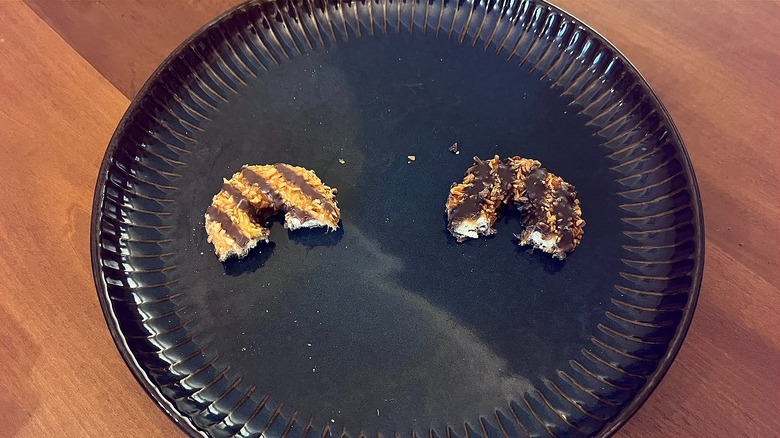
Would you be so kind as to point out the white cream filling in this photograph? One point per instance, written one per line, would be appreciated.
(472, 228)
(536, 238)
(294, 223)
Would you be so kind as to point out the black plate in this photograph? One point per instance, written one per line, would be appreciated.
(388, 325)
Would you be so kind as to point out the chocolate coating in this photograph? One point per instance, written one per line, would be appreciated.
(551, 211)
(227, 224)
(475, 193)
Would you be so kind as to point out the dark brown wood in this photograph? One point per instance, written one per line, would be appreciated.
(125, 40)
(68, 68)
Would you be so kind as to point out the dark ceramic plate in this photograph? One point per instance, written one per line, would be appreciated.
(388, 326)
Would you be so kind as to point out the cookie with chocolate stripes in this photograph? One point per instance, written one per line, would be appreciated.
(236, 218)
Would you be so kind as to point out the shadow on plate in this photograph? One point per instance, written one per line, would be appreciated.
(257, 257)
(252, 262)
(314, 237)
(538, 257)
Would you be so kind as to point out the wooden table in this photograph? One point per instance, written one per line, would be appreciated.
(68, 72)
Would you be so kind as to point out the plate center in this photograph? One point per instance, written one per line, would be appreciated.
(389, 320)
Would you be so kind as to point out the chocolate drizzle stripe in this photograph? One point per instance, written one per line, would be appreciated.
(279, 205)
(296, 212)
(239, 199)
(471, 205)
(506, 177)
(534, 186)
(534, 213)
(563, 211)
(264, 187)
(307, 189)
(227, 224)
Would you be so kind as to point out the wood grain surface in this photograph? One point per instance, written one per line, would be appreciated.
(68, 70)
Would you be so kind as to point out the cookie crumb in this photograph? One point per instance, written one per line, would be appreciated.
(411, 158)
(454, 148)
(341, 160)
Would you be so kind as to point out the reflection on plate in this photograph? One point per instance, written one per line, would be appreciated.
(388, 325)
